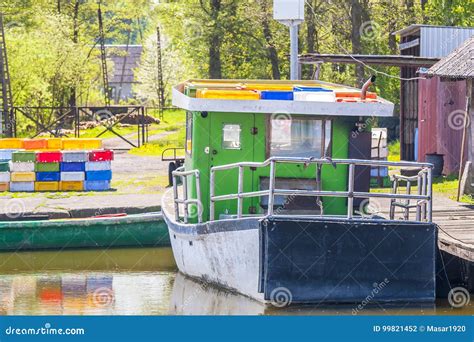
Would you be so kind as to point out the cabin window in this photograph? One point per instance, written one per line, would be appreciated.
(189, 132)
(231, 136)
(300, 137)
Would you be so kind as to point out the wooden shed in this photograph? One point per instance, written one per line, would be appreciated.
(427, 41)
(445, 113)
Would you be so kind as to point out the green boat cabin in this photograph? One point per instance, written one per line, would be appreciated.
(226, 130)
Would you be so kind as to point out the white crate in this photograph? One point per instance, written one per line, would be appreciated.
(22, 186)
(99, 166)
(6, 154)
(315, 96)
(73, 176)
(22, 167)
(75, 156)
(4, 177)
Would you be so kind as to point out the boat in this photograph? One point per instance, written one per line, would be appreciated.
(271, 200)
(119, 230)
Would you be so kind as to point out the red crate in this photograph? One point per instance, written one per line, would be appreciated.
(48, 157)
(101, 155)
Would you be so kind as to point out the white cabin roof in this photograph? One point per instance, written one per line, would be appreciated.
(378, 108)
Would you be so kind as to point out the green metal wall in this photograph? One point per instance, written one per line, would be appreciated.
(207, 136)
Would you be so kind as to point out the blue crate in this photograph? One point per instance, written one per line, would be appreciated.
(99, 175)
(276, 95)
(312, 89)
(100, 185)
(48, 176)
(73, 167)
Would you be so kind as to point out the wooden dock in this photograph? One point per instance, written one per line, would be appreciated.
(456, 227)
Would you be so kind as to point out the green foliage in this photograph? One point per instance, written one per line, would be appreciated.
(394, 151)
(54, 56)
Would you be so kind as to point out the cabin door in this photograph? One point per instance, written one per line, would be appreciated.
(231, 140)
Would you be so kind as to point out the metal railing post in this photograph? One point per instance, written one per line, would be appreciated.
(420, 192)
(271, 188)
(424, 193)
(430, 194)
(176, 198)
(211, 196)
(198, 195)
(350, 189)
(240, 199)
(184, 180)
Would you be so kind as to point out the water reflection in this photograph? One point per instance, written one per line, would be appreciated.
(191, 297)
(141, 282)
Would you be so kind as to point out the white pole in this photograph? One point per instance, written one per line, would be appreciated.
(293, 51)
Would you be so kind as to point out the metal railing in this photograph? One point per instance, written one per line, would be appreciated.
(186, 201)
(421, 180)
(423, 198)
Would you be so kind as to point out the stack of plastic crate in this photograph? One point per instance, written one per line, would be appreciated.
(5, 158)
(47, 170)
(22, 168)
(99, 170)
(73, 167)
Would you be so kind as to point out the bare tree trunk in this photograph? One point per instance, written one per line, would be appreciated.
(356, 21)
(75, 39)
(271, 50)
(312, 34)
(215, 63)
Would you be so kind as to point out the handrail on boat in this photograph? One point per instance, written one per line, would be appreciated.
(423, 198)
(186, 201)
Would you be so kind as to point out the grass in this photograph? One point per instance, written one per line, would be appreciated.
(445, 185)
(173, 124)
(394, 151)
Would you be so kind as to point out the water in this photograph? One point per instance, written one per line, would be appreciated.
(140, 282)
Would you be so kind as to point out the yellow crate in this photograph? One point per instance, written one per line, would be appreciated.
(11, 143)
(81, 144)
(71, 186)
(46, 186)
(55, 143)
(4, 186)
(22, 177)
(260, 86)
(227, 94)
